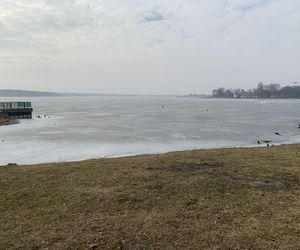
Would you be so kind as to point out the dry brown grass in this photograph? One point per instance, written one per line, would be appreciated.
(5, 120)
(204, 199)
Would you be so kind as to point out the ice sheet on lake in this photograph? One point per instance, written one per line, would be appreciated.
(81, 128)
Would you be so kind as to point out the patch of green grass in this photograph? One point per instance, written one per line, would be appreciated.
(245, 198)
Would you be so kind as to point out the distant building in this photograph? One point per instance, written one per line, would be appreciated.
(16, 110)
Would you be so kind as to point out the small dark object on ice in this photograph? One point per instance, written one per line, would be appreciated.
(276, 133)
(298, 125)
(258, 142)
(267, 141)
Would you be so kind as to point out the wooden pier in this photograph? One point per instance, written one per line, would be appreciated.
(16, 110)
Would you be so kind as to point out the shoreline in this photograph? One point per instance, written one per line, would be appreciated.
(124, 156)
(8, 122)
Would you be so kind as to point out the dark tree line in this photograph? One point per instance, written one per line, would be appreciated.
(262, 91)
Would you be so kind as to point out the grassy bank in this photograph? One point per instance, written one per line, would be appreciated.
(246, 198)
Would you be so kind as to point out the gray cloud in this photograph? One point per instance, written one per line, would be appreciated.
(147, 46)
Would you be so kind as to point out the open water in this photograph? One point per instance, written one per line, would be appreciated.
(109, 126)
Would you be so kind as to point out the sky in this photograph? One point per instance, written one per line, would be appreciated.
(148, 46)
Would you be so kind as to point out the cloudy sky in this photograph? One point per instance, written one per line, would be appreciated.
(148, 46)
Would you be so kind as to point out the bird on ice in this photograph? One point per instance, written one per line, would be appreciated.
(266, 141)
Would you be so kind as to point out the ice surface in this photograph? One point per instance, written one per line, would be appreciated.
(108, 126)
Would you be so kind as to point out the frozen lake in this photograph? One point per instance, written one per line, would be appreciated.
(107, 126)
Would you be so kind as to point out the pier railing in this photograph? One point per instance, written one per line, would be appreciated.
(14, 105)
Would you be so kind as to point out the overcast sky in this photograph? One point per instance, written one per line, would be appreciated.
(148, 47)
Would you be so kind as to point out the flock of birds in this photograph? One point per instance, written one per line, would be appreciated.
(269, 141)
(45, 116)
